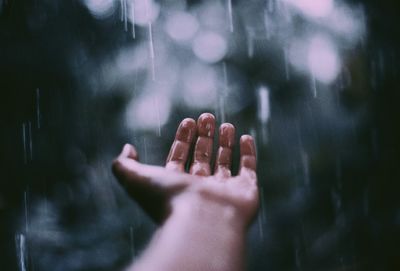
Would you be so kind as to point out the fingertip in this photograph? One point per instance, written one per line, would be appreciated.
(188, 122)
(206, 125)
(248, 158)
(186, 130)
(246, 137)
(129, 151)
(126, 149)
(247, 146)
(206, 115)
(227, 125)
(226, 135)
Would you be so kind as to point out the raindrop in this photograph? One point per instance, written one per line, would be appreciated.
(122, 10)
(132, 18)
(38, 108)
(230, 17)
(151, 50)
(27, 141)
(253, 133)
(26, 209)
(158, 115)
(338, 172)
(20, 241)
(263, 112)
(313, 83)
(263, 105)
(306, 167)
(297, 257)
(45, 199)
(336, 200)
(250, 42)
(221, 108)
(24, 143)
(260, 228)
(225, 90)
(30, 140)
(125, 15)
(286, 62)
(267, 23)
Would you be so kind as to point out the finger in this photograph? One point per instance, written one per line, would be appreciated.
(131, 173)
(129, 151)
(179, 151)
(247, 156)
(223, 161)
(203, 149)
(150, 186)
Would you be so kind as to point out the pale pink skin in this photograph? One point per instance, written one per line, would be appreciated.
(203, 216)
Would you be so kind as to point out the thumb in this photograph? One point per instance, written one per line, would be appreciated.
(133, 174)
(129, 151)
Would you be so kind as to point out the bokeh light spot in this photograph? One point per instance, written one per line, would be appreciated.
(323, 60)
(210, 46)
(313, 8)
(200, 86)
(181, 26)
(101, 8)
(142, 12)
(149, 112)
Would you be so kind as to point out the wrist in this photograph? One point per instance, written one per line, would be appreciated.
(208, 212)
(200, 234)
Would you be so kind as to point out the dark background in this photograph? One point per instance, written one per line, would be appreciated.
(340, 212)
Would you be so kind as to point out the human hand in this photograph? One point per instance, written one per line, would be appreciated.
(165, 190)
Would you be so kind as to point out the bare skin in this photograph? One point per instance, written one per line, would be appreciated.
(204, 213)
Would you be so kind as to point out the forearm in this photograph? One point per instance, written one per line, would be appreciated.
(204, 236)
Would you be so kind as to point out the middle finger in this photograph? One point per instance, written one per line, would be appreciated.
(203, 148)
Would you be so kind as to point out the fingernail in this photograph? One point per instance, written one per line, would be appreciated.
(206, 125)
(227, 135)
(126, 149)
(186, 130)
(247, 143)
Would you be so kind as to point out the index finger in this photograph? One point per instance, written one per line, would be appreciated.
(179, 152)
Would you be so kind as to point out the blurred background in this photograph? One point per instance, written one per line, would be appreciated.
(314, 81)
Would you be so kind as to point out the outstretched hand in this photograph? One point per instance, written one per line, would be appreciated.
(165, 190)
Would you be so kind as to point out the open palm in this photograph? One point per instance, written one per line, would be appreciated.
(162, 190)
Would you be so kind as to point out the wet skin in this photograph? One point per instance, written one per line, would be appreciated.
(162, 190)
